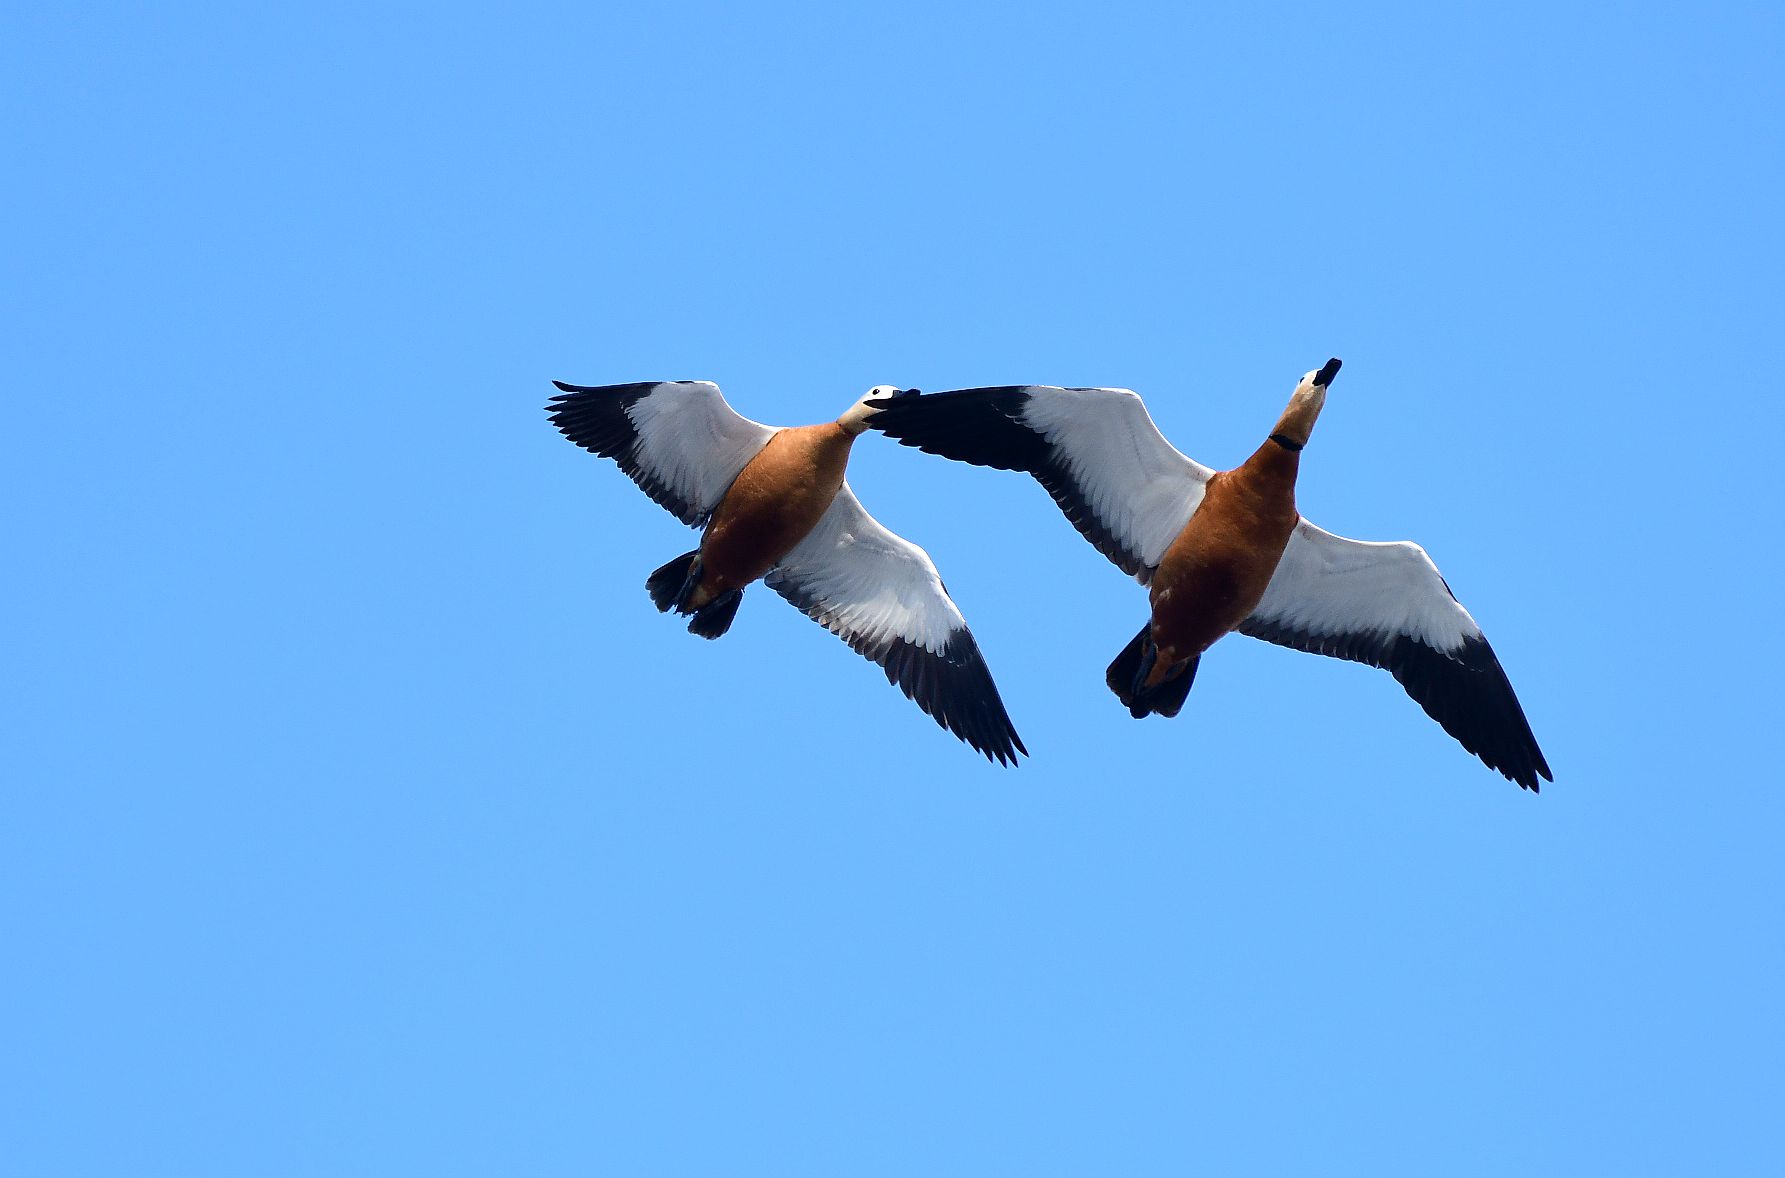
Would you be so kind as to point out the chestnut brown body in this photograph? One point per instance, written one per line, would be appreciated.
(1226, 551)
(773, 504)
(1215, 572)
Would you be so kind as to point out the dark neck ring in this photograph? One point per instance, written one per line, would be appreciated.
(1287, 443)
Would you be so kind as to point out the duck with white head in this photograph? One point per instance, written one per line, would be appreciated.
(1226, 551)
(773, 505)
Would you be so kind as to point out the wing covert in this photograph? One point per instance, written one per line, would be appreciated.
(1386, 605)
(1096, 451)
(881, 594)
(678, 440)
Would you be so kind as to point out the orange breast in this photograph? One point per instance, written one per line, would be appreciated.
(772, 505)
(1214, 573)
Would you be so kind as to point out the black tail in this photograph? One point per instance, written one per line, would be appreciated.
(714, 618)
(1125, 670)
(669, 586)
(1130, 670)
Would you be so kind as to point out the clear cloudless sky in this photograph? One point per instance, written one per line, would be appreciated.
(363, 818)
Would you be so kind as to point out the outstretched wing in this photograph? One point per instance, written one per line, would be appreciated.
(881, 594)
(678, 440)
(1387, 605)
(1096, 451)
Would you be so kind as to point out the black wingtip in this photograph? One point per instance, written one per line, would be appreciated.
(1006, 756)
(1541, 769)
(953, 687)
(1465, 689)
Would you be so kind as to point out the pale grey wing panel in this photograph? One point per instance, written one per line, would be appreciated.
(882, 595)
(1137, 485)
(678, 440)
(1096, 451)
(1386, 605)
(1329, 586)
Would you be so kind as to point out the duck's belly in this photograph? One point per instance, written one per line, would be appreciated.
(1214, 575)
(775, 502)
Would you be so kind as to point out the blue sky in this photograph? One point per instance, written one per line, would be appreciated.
(363, 818)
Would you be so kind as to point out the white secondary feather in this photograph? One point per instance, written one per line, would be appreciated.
(694, 443)
(1330, 586)
(1136, 483)
(866, 584)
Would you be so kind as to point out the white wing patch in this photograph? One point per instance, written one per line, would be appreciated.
(867, 584)
(678, 440)
(1386, 605)
(1329, 586)
(1136, 484)
(694, 443)
(881, 595)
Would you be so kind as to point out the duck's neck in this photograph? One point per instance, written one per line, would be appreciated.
(1274, 464)
(854, 422)
(834, 441)
(1297, 423)
(1279, 460)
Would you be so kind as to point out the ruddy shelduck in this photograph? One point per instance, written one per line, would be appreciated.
(773, 505)
(1227, 550)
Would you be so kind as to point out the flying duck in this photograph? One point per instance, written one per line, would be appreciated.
(774, 505)
(1226, 550)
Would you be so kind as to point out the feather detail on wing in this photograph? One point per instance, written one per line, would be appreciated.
(1386, 605)
(678, 440)
(1096, 451)
(882, 595)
